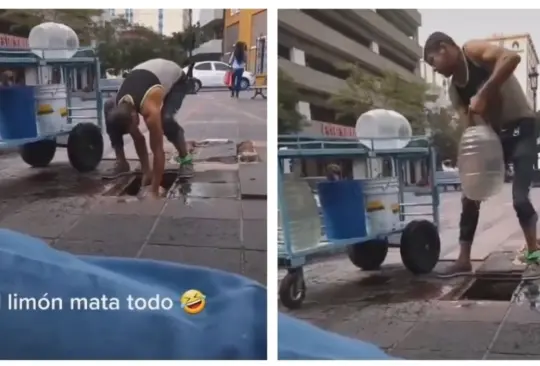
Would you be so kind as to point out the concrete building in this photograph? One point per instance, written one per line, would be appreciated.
(522, 44)
(312, 42)
(163, 21)
(212, 23)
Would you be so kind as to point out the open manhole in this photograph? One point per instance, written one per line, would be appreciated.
(130, 185)
(489, 289)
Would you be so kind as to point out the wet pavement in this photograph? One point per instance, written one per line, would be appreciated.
(205, 222)
(423, 317)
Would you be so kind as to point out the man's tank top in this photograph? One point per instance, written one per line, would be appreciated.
(513, 106)
(156, 73)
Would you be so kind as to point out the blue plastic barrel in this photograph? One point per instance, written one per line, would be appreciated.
(343, 209)
(17, 113)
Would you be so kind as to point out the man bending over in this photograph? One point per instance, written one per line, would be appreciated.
(154, 89)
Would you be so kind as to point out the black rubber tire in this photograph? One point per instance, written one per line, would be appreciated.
(38, 154)
(368, 255)
(197, 85)
(292, 290)
(85, 147)
(420, 247)
(244, 84)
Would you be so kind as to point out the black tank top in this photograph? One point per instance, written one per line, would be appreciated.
(135, 86)
(477, 77)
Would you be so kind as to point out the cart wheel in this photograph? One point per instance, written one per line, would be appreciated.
(420, 246)
(368, 255)
(85, 147)
(292, 290)
(38, 154)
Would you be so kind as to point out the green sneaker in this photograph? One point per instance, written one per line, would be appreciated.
(185, 169)
(533, 257)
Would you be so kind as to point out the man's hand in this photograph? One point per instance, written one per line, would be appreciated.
(478, 104)
(146, 178)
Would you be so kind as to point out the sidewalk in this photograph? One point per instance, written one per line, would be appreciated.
(217, 230)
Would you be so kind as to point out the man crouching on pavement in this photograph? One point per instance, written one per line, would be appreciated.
(154, 89)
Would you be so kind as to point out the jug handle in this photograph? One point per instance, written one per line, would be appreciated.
(475, 119)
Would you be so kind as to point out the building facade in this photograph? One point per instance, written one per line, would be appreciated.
(522, 44)
(162, 21)
(312, 43)
(248, 26)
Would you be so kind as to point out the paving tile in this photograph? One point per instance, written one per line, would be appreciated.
(223, 209)
(254, 266)
(197, 232)
(486, 311)
(450, 336)
(254, 209)
(109, 248)
(522, 314)
(224, 259)
(518, 339)
(252, 179)
(423, 354)
(44, 224)
(129, 228)
(502, 356)
(127, 206)
(254, 234)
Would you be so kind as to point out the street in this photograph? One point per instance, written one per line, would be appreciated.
(214, 224)
(423, 317)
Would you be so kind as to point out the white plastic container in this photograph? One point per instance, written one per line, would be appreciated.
(51, 109)
(480, 163)
(382, 204)
(383, 123)
(302, 214)
(53, 40)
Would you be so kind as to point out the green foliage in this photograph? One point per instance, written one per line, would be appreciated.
(446, 132)
(289, 119)
(366, 91)
(121, 45)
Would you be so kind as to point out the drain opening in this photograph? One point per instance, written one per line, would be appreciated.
(489, 289)
(134, 186)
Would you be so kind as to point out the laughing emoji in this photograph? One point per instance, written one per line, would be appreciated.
(193, 302)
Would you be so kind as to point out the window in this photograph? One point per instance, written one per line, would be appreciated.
(221, 67)
(204, 66)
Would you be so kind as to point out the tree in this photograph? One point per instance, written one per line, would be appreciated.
(366, 91)
(289, 119)
(446, 131)
(80, 20)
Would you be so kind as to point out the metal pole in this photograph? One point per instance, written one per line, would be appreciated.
(190, 27)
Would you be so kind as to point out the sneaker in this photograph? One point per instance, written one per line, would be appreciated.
(532, 271)
(120, 168)
(186, 167)
(455, 270)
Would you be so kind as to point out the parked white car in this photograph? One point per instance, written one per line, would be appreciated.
(211, 74)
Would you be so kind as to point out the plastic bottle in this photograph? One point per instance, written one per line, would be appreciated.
(59, 40)
(480, 162)
(382, 123)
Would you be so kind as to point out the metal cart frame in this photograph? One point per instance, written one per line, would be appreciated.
(420, 242)
(85, 140)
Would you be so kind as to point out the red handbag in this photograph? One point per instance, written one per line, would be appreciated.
(228, 78)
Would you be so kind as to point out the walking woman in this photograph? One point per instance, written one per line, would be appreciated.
(238, 64)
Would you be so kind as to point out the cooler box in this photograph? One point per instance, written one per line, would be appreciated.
(18, 119)
(343, 209)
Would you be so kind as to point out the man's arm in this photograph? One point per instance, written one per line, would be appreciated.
(140, 147)
(500, 61)
(151, 111)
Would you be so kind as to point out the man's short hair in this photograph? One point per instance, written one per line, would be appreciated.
(434, 42)
(120, 114)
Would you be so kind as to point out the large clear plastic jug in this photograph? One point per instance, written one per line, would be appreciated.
(53, 40)
(480, 162)
(393, 127)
